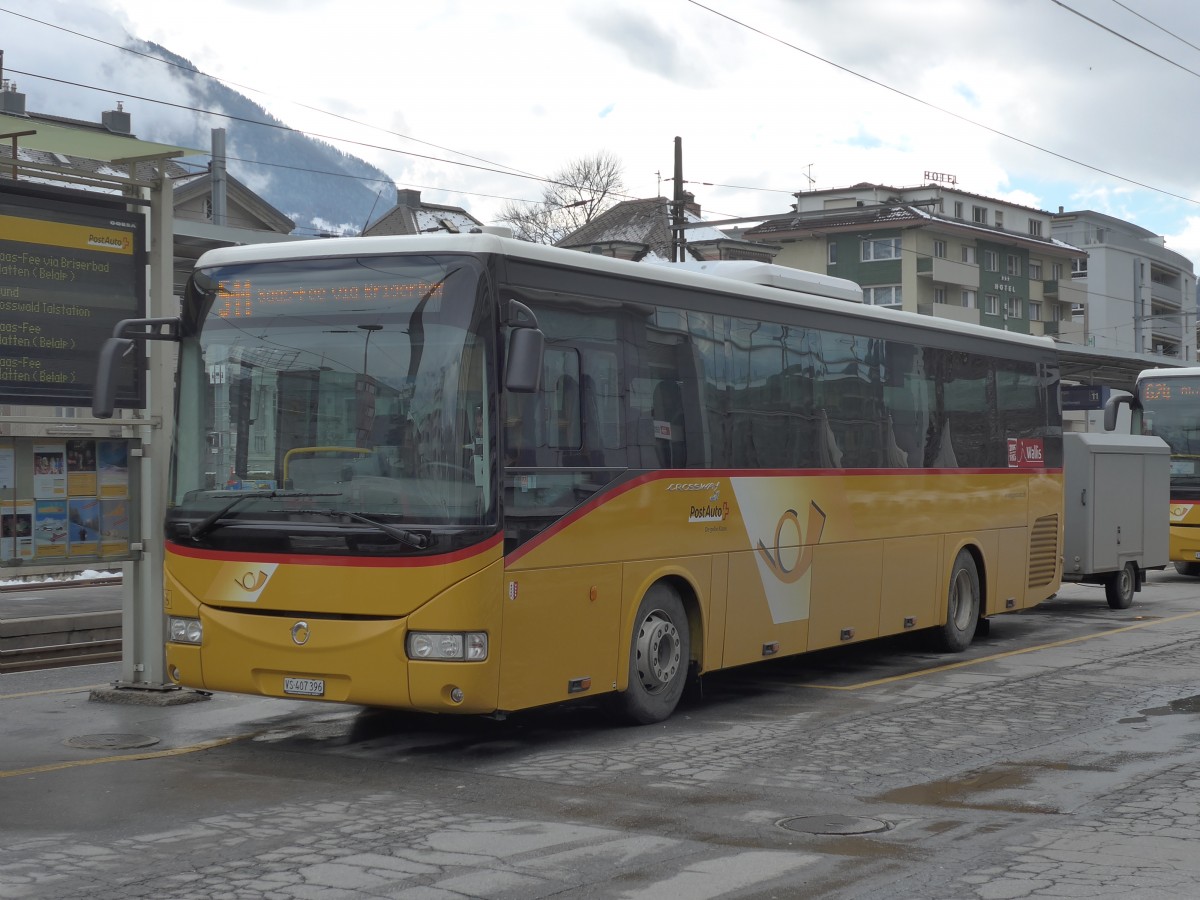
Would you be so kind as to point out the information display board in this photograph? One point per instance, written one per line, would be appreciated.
(69, 271)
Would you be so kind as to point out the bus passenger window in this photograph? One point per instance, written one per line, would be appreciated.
(667, 412)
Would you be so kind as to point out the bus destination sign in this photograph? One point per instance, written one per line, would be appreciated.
(1169, 389)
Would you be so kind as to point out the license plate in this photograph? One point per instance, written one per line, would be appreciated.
(304, 687)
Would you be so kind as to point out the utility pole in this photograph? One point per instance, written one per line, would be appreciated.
(678, 241)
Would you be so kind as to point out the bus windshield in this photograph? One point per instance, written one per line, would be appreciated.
(1168, 410)
(336, 394)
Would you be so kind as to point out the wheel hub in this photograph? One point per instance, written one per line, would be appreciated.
(657, 652)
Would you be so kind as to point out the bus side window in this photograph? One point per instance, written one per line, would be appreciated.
(667, 412)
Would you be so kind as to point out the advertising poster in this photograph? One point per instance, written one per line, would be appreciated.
(113, 462)
(50, 529)
(81, 468)
(84, 526)
(8, 468)
(114, 527)
(49, 471)
(16, 530)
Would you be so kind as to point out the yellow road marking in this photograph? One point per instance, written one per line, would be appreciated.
(157, 754)
(974, 662)
(70, 690)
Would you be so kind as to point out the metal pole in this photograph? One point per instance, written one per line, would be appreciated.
(143, 660)
(677, 239)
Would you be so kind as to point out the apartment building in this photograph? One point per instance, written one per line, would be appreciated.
(936, 250)
(1141, 297)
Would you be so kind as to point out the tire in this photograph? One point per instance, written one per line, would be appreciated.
(1121, 586)
(962, 606)
(1192, 570)
(659, 657)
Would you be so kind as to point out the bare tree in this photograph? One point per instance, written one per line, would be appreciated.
(575, 195)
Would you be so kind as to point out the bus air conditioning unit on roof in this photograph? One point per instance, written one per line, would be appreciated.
(769, 275)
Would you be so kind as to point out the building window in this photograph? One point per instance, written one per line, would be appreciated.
(1012, 307)
(1066, 312)
(831, 253)
(969, 256)
(1014, 264)
(979, 215)
(880, 248)
(882, 295)
(991, 305)
(970, 299)
(1056, 271)
(991, 260)
(208, 208)
(999, 218)
(1035, 227)
(939, 249)
(1079, 268)
(958, 209)
(1035, 311)
(1035, 270)
(939, 295)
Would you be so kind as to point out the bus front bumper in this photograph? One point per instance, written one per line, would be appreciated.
(360, 661)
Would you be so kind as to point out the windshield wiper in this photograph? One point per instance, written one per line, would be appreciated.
(414, 539)
(197, 530)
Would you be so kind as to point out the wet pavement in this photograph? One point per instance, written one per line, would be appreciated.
(1057, 758)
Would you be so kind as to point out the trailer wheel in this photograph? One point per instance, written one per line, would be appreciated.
(1192, 570)
(1121, 585)
(659, 653)
(962, 605)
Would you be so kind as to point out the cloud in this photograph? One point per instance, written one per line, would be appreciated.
(650, 46)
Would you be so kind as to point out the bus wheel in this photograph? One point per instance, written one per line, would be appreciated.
(1190, 569)
(1120, 587)
(962, 605)
(659, 653)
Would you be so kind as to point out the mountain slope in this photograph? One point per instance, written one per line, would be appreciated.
(320, 187)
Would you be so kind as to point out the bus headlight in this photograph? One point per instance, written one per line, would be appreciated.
(184, 631)
(470, 646)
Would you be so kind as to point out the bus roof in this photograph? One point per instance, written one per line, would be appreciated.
(818, 292)
(1182, 372)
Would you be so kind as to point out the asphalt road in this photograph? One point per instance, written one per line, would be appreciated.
(1056, 758)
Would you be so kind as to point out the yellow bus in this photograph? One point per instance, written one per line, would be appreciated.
(467, 474)
(1166, 403)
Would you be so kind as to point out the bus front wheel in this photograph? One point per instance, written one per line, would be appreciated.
(962, 605)
(659, 655)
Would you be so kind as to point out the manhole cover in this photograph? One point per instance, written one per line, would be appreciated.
(834, 825)
(111, 741)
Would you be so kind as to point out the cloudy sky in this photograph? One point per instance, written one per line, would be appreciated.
(1084, 104)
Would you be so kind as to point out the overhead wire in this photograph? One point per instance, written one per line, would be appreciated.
(949, 112)
(196, 71)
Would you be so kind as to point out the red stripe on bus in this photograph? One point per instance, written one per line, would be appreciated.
(437, 559)
(700, 474)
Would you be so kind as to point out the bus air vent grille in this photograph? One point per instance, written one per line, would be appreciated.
(1043, 551)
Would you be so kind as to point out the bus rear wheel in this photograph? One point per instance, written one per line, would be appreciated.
(962, 605)
(659, 656)
(1120, 586)
(1192, 570)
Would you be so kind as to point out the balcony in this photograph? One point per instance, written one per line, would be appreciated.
(945, 271)
(957, 313)
(1050, 289)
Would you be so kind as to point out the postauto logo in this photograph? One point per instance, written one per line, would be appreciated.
(712, 511)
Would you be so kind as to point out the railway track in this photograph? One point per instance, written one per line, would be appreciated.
(54, 641)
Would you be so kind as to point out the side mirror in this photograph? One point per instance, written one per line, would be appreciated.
(104, 391)
(523, 370)
(105, 394)
(1112, 407)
